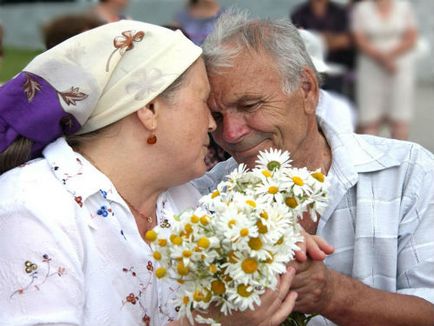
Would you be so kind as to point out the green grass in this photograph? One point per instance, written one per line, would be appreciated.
(14, 61)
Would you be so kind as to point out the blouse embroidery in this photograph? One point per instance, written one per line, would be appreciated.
(35, 272)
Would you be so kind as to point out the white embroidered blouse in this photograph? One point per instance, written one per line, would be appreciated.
(71, 252)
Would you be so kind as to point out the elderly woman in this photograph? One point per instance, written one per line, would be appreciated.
(112, 118)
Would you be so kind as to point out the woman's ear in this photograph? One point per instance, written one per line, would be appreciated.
(310, 90)
(148, 115)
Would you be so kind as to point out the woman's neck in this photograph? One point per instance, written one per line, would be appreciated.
(139, 189)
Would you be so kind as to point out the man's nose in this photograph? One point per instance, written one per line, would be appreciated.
(234, 127)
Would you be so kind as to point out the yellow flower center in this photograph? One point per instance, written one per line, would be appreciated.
(255, 243)
(213, 268)
(203, 242)
(262, 229)
(186, 253)
(266, 173)
(242, 291)
(251, 203)
(182, 269)
(157, 255)
(160, 272)
(151, 235)
(232, 222)
(176, 240)
(218, 287)
(273, 165)
(280, 241)
(185, 300)
(195, 219)
(215, 194)
(204, 220)
(264, 215)
(249, 265)
(319, 176)
(273, 190)
(162, 242)
(244, 232)
(298, 181)
(198, 295)
(188, 228)
(208, 296)
(180, 281)
(291, 202)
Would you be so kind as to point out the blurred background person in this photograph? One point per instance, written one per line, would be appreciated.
(385, 32)
(197, 19)
(110, 10)
(67, 26)
(1, 43)
(331, 21)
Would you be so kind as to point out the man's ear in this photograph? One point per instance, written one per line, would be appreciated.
(310, 90)
(148, 115)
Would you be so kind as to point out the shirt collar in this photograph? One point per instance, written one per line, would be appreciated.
(358, 153)
(76, 173)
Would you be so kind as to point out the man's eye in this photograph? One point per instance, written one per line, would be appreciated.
(250, 106)
(217, 116)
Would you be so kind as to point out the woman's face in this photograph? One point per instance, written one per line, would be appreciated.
(186, 123)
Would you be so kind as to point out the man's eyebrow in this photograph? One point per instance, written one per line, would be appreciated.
(245, 98)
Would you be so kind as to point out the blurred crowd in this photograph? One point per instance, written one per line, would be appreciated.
(364, 51)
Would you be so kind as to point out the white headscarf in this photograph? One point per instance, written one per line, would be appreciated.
(109, 72)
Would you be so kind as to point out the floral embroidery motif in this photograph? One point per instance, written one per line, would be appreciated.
(124, 43)
(135, 298)
(31, 87)
(71, 96)
(78, 200)
(104, 211)
(145, 82)
(146, 320)
(66, 176)
(165, 224)
(34, 273)
(150, 267)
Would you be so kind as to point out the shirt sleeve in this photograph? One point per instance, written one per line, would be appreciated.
(41, 279)
(416, 241)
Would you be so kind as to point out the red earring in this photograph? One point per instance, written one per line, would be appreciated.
(151, 140)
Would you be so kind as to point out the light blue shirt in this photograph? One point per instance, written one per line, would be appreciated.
(380, 217)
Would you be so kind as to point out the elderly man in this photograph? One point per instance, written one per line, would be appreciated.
(380, 217)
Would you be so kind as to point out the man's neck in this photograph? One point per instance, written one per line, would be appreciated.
(314, 154)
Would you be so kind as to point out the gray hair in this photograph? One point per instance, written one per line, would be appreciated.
(279, 38)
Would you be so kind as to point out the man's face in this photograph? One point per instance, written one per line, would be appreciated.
(253, 113)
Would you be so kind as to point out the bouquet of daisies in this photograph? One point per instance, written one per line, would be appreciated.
(231, 248)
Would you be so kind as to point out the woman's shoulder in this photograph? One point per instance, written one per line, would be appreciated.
(32, 187)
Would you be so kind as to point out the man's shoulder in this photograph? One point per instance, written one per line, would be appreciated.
(213, 177)
(32, 186)
(400, 151)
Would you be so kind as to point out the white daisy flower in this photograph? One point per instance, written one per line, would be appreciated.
(244, 297)
(273, 159)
